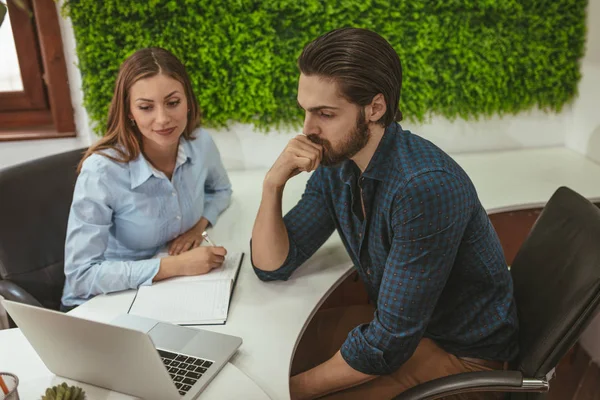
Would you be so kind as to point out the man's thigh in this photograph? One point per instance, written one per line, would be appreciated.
(428, 362)
(328, 330)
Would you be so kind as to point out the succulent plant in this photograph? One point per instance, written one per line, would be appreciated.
(64, 392)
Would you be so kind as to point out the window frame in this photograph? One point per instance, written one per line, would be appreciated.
(43, 108)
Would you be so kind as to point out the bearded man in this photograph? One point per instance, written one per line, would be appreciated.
(411, 221)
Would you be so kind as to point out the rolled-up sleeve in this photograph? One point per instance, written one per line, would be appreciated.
(87, 273)
(308, 226)
(429, 218)
(217, 187)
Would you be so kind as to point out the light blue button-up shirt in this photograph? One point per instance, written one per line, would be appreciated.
(123, 213)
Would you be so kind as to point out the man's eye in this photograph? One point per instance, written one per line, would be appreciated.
(326, 115)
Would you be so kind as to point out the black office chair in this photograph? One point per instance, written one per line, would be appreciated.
(35, 198)
(556, 277)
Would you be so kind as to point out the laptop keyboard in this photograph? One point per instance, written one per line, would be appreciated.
(184, 370)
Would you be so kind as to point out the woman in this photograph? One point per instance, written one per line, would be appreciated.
(155, 179)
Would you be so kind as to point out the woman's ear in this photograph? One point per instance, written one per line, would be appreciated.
(376, 110)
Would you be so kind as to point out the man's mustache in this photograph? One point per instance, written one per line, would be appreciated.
(316, 139)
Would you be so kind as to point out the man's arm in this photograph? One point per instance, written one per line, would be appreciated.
(270, 243)
(274, 238)
(299, 234)
(332, 376)
(429, 220)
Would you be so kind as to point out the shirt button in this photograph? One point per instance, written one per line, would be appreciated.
(359, 234)
(179, 217)
(174, 194)
(368, 271)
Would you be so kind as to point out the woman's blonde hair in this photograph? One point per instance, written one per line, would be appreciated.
(122, 136)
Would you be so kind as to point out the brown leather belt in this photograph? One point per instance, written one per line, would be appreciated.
(499, 365)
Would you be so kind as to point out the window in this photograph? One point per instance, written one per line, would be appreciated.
(35, 101)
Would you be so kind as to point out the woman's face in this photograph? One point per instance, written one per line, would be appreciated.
(159, 108)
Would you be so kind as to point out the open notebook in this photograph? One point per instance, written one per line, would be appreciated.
(190, 300)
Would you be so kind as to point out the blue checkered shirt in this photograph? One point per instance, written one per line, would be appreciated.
(426, 251)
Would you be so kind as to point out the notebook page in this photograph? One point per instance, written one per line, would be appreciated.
(225, 272)
(184, 303)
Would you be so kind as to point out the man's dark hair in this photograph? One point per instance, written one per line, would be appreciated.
(361, 62)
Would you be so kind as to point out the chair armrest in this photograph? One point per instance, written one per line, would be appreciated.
(481, 381)
(11, 291)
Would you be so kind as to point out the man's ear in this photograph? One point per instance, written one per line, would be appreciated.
(376, 109)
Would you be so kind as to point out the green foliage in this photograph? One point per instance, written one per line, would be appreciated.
(64, 392)
(460, 58)
(3, 11)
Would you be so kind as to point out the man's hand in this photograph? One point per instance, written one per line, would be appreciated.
(331, 376)
(299, 155)
(190, 239)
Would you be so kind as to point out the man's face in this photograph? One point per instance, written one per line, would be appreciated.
(330, 120)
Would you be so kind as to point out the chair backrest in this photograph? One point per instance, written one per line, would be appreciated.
(556, 276)
(35, 199)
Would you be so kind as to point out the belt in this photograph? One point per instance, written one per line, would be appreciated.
(499, 365)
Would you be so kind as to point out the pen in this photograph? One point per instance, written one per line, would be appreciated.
(205, 236)
(3, 385)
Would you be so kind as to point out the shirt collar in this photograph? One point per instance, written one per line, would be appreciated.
(380, 163)
(140, 170)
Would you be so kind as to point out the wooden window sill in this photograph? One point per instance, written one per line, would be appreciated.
(33, 133)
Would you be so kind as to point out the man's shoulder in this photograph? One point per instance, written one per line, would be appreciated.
(417, 167)
(416, 154)
(413, 156)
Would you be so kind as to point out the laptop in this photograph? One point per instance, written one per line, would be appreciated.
(134, 355)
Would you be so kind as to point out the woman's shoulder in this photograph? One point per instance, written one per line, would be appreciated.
(104, 162)
(201, 138)
(200, 144)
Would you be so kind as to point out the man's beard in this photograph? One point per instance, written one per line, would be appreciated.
(353, 144)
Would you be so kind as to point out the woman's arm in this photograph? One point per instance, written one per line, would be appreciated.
(87, 273)
(217, 188)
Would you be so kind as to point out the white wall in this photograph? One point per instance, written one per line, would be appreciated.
(243, 147)
(584, 135)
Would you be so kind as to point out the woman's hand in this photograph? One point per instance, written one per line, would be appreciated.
(197, 261)
(201, 260)
(190, 239)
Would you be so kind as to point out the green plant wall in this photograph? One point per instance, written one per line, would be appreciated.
(461, 58)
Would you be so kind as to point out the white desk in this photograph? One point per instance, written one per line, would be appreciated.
(270, 317)
(18, 357)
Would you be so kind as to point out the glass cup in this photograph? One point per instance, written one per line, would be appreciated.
(11, 381)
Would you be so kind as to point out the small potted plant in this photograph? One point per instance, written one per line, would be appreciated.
(64, 392)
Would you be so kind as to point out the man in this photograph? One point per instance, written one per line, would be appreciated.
(410, 220)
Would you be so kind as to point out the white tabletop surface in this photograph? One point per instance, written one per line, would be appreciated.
(271, 316)
(18, 357)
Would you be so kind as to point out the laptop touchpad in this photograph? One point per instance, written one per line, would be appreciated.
(171, 337)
